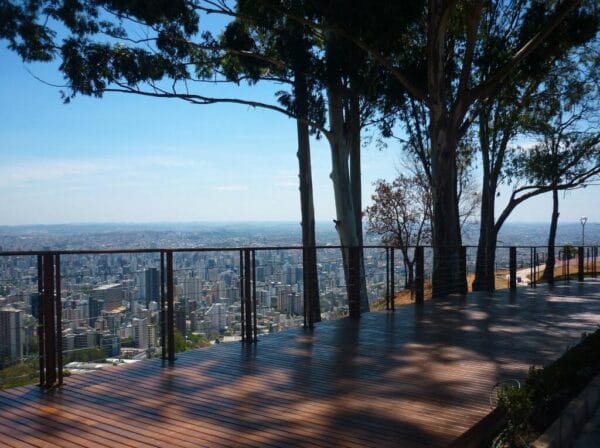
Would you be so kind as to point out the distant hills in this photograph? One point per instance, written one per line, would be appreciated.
(216, 234)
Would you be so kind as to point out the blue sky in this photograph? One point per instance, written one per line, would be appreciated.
(125, 158)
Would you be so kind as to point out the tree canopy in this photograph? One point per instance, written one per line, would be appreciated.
(443, 74)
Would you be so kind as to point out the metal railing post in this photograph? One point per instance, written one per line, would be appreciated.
(392, 280)
(353, 282)
(49, 321)
(387, 278)
(163, 305)
(58, 311)
(588, 262)
(419, 274)
(41, 324)
(309, 320)
(552, 254)
(254, 317)
(248, 296)
(567, 256)
(535, 268)
(581, 264)
(305, 304)
(463, 268)
(242, 296)
(512, 268)
(170, 309)
(531, 267)
(50, 325)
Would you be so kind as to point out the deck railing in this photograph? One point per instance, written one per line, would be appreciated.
(46, 321)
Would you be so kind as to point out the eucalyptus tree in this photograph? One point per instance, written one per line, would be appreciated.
(436, 61)
(261, 46)
(567, 152)
(506, 117)
(174, 58)
(157, 49)
(349, 93)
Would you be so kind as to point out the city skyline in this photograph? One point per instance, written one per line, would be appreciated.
(124, 158)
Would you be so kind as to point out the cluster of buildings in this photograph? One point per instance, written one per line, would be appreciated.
(110, 302)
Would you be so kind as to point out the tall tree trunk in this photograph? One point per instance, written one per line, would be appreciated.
(409, 265)
(309, 257)
(443, 135)
(446, 235)
(309, 260)
(345, 224)
(550, 259)
(492, 162)
(485, 273)
(353, 131)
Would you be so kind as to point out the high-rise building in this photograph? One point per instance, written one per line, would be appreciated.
(112, 294)
(140, 332)
(217, 316)
(111, 344)
(264, 298)
(151, 285)
(11, 333)
(113, 321)
(192, 287)
(152, 335)
(260, 273)
(68, 341)
(180, 318)
(95, 309)
(86, 339)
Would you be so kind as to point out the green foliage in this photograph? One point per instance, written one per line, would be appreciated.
(189, 342)
(548, 390)
(85, 355)
(517, 404)
(561, 118)
(552, 387)
(127, 342)
(19, 374)
(197, 341)
(19, 25)
(180, 344)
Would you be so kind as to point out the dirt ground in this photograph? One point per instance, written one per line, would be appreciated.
(406, 296)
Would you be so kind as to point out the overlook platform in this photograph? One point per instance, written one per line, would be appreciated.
(416, 377)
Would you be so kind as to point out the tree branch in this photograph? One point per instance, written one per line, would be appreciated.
(562, 11)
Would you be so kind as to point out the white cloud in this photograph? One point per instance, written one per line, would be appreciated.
(286, 179)
(42, 170)
(229, 188)
(49, 170)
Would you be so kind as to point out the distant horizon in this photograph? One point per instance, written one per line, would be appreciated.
(127, 235)
(242, 222)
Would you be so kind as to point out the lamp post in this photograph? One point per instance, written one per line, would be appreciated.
(583, 221)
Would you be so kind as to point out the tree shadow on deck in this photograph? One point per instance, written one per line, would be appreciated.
(417, 377)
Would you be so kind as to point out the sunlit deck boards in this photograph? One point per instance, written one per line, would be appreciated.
(417, 377)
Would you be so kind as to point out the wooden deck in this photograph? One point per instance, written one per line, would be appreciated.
(418, 377)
